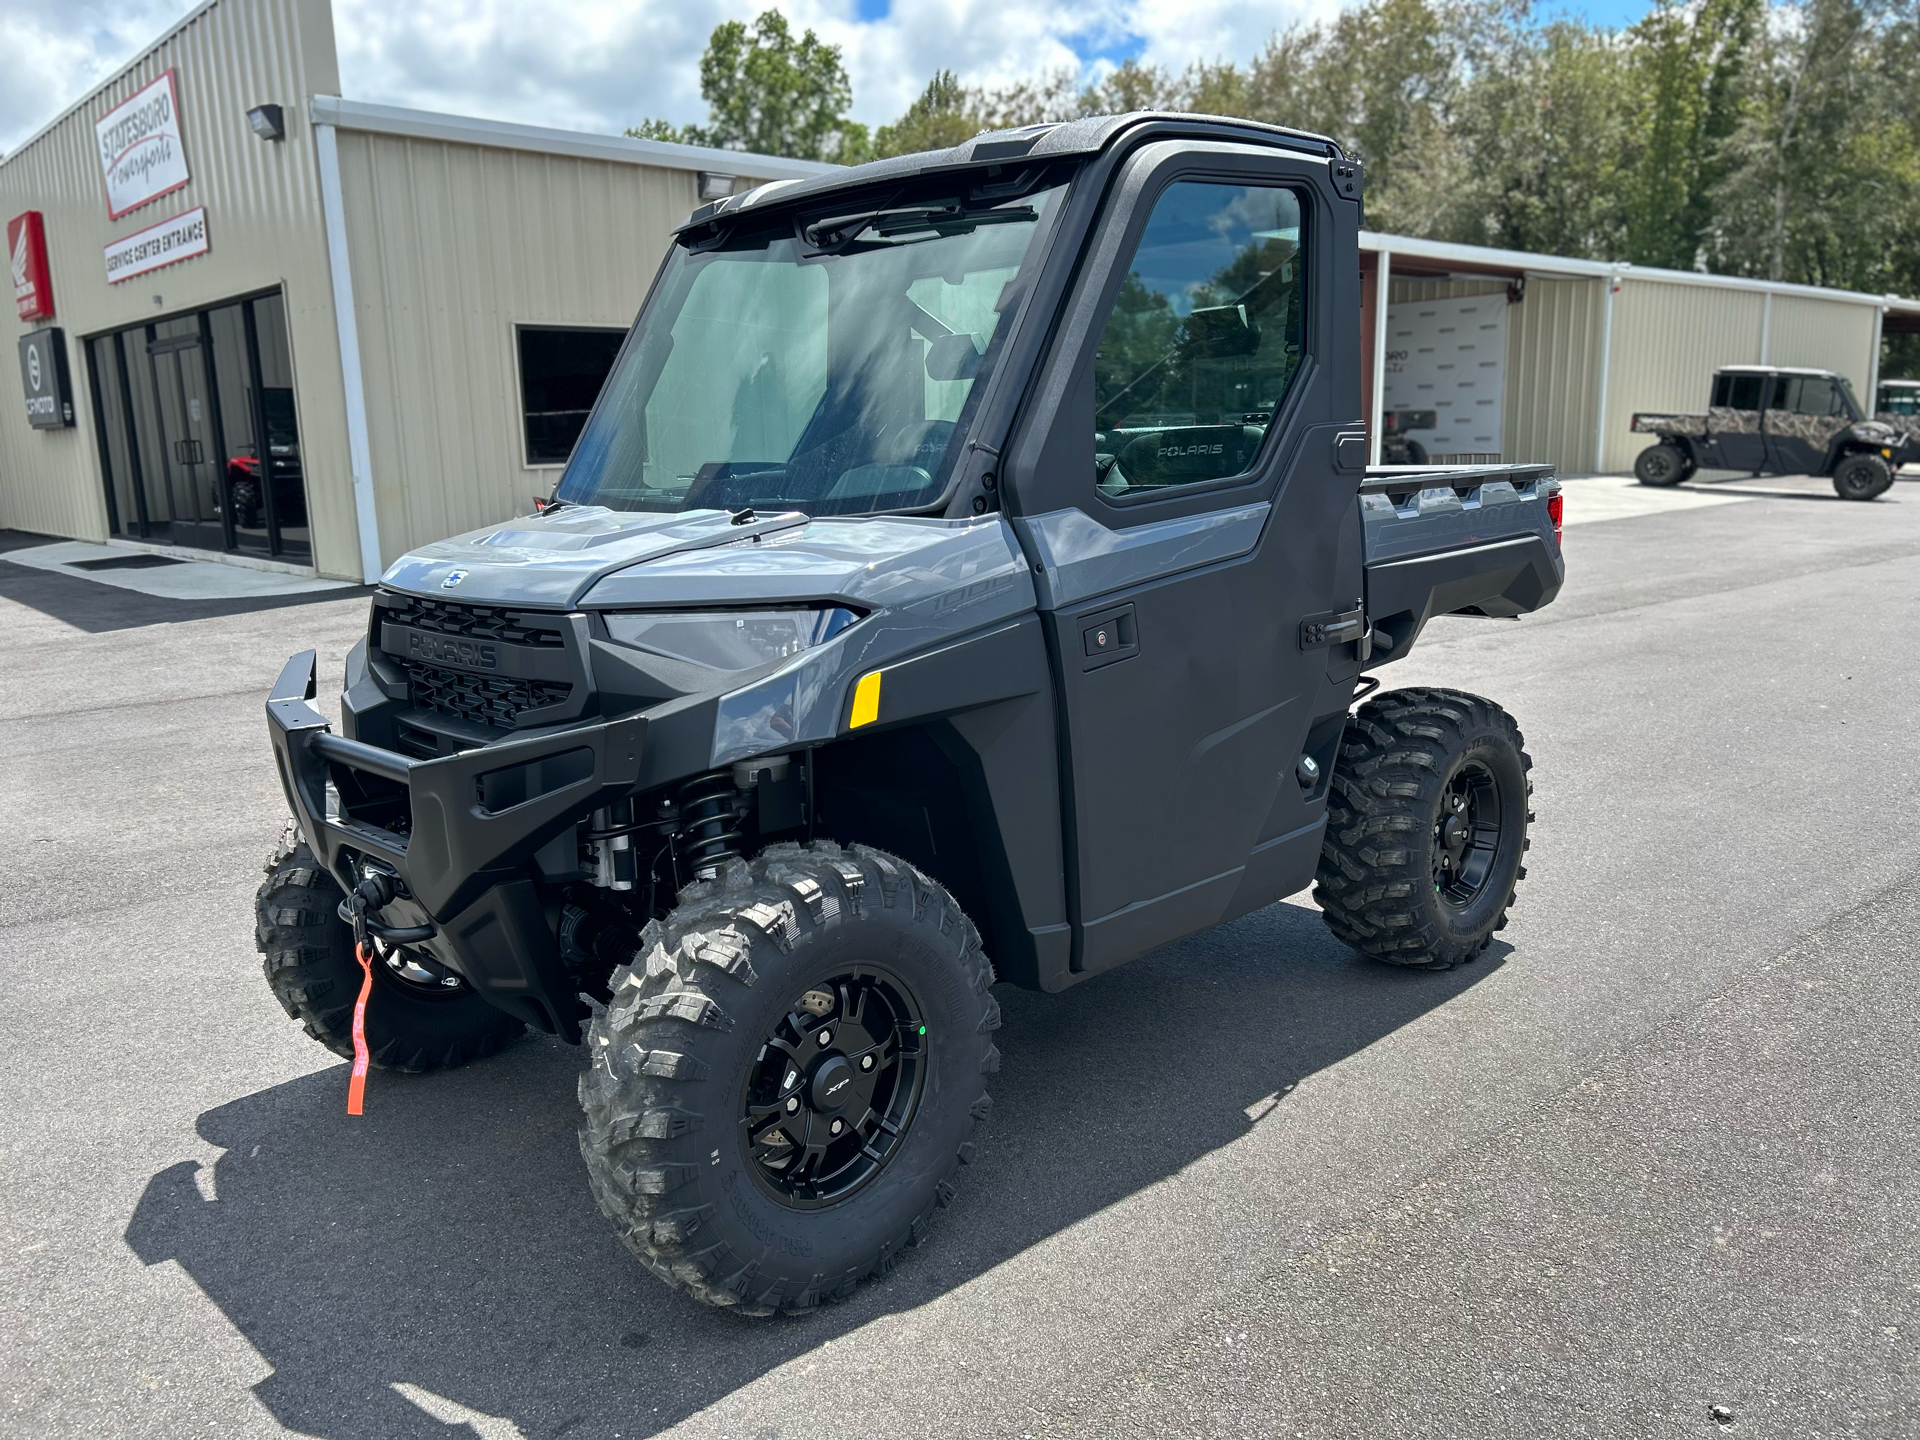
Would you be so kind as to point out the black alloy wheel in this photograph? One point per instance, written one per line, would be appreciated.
(1466, 835)
(786, 1077)
(830, 1097)
(1862, 477)
(1427, 817)
(1660, 465)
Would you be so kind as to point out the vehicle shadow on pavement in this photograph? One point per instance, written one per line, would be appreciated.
(446, 1242)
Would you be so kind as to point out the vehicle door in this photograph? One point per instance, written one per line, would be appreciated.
(1188, 492)
(1808, 412)
(1734, 420)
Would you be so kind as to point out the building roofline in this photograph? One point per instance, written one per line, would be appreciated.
(146, 52)
(540, 139)
(1526, 262)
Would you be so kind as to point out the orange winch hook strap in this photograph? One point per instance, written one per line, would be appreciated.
(357, 1086)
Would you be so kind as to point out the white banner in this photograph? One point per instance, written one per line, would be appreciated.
(141, 154)
(180, 238)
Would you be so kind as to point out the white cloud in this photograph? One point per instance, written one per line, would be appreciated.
(604, 64)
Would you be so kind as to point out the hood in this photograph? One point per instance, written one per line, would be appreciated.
(590, 557)
(552, 560)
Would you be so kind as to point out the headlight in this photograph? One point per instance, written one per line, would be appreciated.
(728, 640)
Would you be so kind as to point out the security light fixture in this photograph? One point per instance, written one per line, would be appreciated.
(268, 122)
(714, 185)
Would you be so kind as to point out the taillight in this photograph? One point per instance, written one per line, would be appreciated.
(1553, 514)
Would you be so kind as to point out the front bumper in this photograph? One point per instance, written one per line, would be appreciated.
(459, 832)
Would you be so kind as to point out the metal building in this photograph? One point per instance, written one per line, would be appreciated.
(267, 324)
(1542, 357)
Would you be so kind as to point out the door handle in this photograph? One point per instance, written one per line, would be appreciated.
(1106, 636)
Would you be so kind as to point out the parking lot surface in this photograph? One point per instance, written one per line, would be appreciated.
(1645, 1169)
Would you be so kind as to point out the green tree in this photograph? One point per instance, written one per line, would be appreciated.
(1688, 67)
(770, 94)
(943, 116)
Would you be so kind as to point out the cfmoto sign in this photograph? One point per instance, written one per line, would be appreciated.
(43, 376)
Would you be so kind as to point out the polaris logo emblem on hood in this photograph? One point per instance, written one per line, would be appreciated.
(453, 579)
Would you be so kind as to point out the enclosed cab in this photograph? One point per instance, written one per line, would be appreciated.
(968, 574)
(1897, 406)
(1772, 420)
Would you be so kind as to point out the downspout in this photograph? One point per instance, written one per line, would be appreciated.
(1872, 398)
(359, 449)
(1606, 366)
(1382, 287)
(1766, 330)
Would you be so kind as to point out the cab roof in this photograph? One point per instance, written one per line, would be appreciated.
(1029, 144)
(1776, 370)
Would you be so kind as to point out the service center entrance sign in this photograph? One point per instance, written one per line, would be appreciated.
(141, 154)
(27, 257)
(43, 375)
(180, 238)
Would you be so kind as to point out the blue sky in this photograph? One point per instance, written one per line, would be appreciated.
(606, 64)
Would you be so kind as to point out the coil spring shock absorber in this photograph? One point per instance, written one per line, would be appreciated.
(711, 814)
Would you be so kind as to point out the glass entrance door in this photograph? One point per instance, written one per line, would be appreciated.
(199, 441)
(188, 441)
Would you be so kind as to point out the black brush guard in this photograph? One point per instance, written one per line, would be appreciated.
(459, 832)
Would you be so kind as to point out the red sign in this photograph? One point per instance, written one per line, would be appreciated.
(27, 256)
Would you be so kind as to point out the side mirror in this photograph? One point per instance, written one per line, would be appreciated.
(952, 357)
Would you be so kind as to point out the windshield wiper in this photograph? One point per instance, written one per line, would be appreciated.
(948, 217)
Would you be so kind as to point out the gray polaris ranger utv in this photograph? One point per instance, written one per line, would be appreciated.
(967, 575)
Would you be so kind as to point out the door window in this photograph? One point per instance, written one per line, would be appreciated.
(1203, 340)
(1739, 392)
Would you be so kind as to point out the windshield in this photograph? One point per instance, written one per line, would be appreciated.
(826, 371)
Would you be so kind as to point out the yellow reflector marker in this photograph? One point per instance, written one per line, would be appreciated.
(866, 701)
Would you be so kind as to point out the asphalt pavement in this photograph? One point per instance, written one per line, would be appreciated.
(1643, 1170)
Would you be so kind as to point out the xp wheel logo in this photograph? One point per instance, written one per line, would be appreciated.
(453, 579)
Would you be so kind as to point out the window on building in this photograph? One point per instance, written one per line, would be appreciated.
(561, 371)
(1203, 339)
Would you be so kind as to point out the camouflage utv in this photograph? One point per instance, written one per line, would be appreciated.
(1774, 420)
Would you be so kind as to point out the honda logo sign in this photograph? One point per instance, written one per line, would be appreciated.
(27, 258)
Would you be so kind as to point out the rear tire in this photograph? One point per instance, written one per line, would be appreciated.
(1862, 477)
(727, 1027)
(309, 965)
(1426, 828)
(1661, 465)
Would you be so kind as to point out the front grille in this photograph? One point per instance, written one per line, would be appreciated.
(476, 622)
(495, 700)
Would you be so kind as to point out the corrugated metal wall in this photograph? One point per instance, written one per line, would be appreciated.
(1827, 334)
(454, 246)
(1402, 289)
(1553, 373)
(1667, 341)
(263, 227)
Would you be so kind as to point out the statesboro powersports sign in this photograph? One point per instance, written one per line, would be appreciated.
(141, 153)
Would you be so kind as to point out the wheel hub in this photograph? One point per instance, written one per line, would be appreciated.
(833, 1089)
(1466, 834)
(833, 1084)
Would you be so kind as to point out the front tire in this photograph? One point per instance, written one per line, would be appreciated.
(1426, 828)
(1661, 465)
(733, 1131)
(1862, 477)
(416, 1021)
